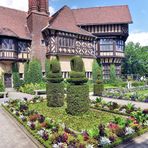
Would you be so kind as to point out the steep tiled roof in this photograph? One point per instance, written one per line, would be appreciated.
(64, 20)
(13, 23)
(103, 15)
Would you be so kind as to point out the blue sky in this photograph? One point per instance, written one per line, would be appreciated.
(138, 8)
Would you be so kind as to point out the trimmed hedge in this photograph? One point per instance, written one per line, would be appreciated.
(77, 91)
(55, 85)
(55, 94)
(77, 99)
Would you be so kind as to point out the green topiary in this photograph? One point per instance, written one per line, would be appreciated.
(2, 87)
(34, 72)
(55, 85)
(78, 91)
(98, 86)
(77, 99)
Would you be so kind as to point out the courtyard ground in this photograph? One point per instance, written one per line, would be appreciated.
(13, 136)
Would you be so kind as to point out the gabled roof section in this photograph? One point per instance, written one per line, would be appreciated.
(64, 20)
(14, 23)
(103, 15)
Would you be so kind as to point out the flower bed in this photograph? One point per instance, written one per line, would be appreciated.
(134, 94)
(56, 134)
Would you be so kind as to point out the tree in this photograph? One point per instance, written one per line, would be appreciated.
(95, 67)
(136, 59)
(34, 72)
(113, 76)
(26, 69)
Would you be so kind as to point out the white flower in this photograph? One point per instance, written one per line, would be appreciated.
(104, 141)
(129, 131)
(89, 146)
(22, 117)
(14, 112)
(38, 101)
(41, 133)
(5, 104)
(123, 111)
(145, 123)
(29, 123)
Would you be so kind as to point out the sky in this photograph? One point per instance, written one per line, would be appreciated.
(139, 11)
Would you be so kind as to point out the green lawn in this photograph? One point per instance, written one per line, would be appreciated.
(87, 121)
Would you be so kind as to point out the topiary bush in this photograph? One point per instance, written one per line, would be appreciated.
(2, 87)
(26, 68)
(98, 86)
(77, 90)
(55, 85)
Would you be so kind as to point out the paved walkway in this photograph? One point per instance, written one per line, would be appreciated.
(139, 142)
(122, 102)
(11, 136)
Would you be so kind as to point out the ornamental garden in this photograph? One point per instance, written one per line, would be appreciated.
(67, 117)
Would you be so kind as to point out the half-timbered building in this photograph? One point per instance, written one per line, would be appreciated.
(98, 32)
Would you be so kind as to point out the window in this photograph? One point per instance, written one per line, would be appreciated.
(43, 42)
(8, 44)
(120, 45)
(22, 46)
(106, 45)
(66, 42)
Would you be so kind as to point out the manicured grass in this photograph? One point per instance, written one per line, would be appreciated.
(89, 120)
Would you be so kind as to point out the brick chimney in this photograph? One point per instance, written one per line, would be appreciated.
(37, 19)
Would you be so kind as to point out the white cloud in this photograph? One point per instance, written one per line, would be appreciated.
(141, 37)
(51, 10)
(16, 4)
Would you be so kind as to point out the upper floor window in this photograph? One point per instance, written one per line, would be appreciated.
(22, 46)
(120, 45)
(106, 45)
(7, 44)
(66, 42)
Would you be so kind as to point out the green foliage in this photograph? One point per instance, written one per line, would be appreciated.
(55, 86)
(34, 72)
(47, 67)
(77, 64)
(95, 68)
(98, 89)
(26, 68)
(112, 74)
(136, 59)
(16, 76)
(29, 88)
(55, 94)
(77, 99)
(77, 91)
(2, 87)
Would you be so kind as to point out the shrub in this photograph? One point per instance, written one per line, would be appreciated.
(98, 86)
(29, 88)
(77, 91)
(55, 94)
(55, 85)
(47, 67)
(34, 72)
(77, 99)
(16, 76)
(2, 88)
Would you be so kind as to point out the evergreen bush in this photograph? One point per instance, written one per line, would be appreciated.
(55, 85)
(98, 85)
(77, 90)
(16, 76)
(113, 77)
(47, 67)
(34, 72)
(2, 87)
(26, 68)
(95, 67)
